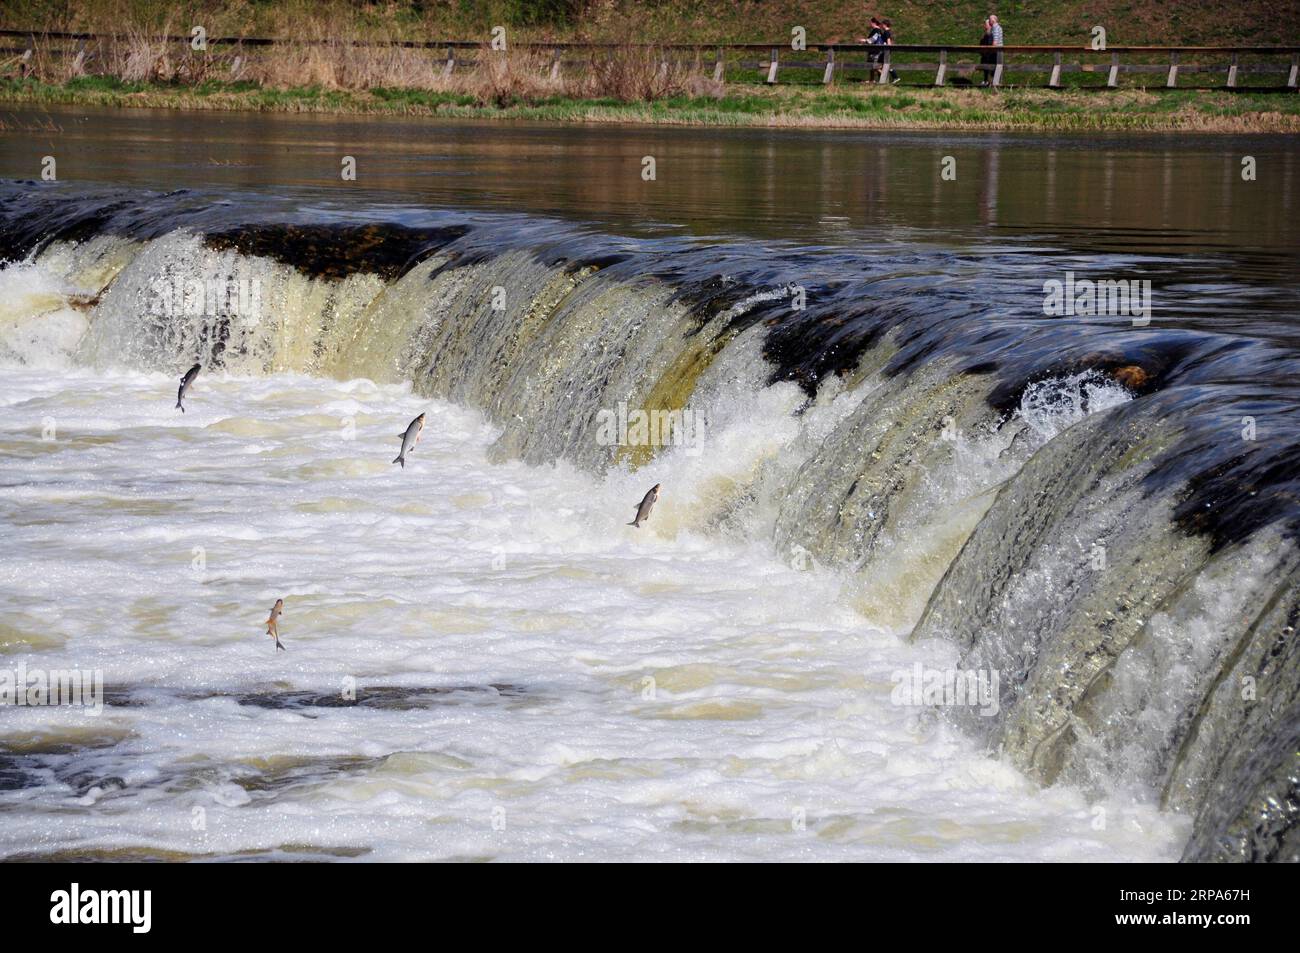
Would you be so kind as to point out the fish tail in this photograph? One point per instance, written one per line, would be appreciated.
(402, 460)
(635, 523)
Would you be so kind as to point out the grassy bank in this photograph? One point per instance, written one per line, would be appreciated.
(325, 63)
(1127, 22)
(847, 106)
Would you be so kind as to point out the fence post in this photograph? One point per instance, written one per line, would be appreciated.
(884, 66)
(1112, 80)
(828, 75)
(556, 56)
(943, 67)
(771, 66)
(997, 70)
(450, 64)
(718, 68)
(1054, 81)
(1232, 73)
(1295, 71)
(1172, 79)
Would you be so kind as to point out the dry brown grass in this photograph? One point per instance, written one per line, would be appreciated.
(316, 59)
(141, 57)
(502, 78)
(134, 56)
(642, 74)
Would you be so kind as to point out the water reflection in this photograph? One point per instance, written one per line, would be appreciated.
(1102, 193)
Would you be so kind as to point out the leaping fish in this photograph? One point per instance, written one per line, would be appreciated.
(410, 437)
(273, 623)
(645, 506)
(186, 381)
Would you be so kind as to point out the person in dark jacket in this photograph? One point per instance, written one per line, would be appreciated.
(887, 39)
(990, 59)
(873, 35)
(873, 38)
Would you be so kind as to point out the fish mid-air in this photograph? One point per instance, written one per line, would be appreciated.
(410, 438)
(645, 506)
(273, 623)
(186, 381)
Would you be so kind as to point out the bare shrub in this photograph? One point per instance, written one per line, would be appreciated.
(635, 74)
(139, 55)
(148, 58)
(366, 67)
(520, 75)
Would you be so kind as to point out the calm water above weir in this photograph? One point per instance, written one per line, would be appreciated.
(1100, 193)
(919, 468)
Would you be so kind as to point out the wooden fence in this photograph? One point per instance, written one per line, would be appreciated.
(1231, 62)
(879, 64)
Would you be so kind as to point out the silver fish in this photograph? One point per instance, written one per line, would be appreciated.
(645, 506)
(273, 623)
(186, 381)
(410, 438)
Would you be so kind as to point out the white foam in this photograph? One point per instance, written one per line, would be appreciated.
(770, 699)
(38, 325)
(1052, 405)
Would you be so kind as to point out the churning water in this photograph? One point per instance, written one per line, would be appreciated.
(896, 466)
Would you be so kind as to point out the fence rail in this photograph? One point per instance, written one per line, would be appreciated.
(879, 63)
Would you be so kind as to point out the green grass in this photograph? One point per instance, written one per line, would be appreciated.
(853, 105)
(102, 84)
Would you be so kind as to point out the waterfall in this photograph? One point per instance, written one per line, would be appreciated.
(1107, 516)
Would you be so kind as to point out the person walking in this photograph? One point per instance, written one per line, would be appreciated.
(873, 38)
(987, 60)
(887, 39)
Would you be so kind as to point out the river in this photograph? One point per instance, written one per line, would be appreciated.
(890, 460)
